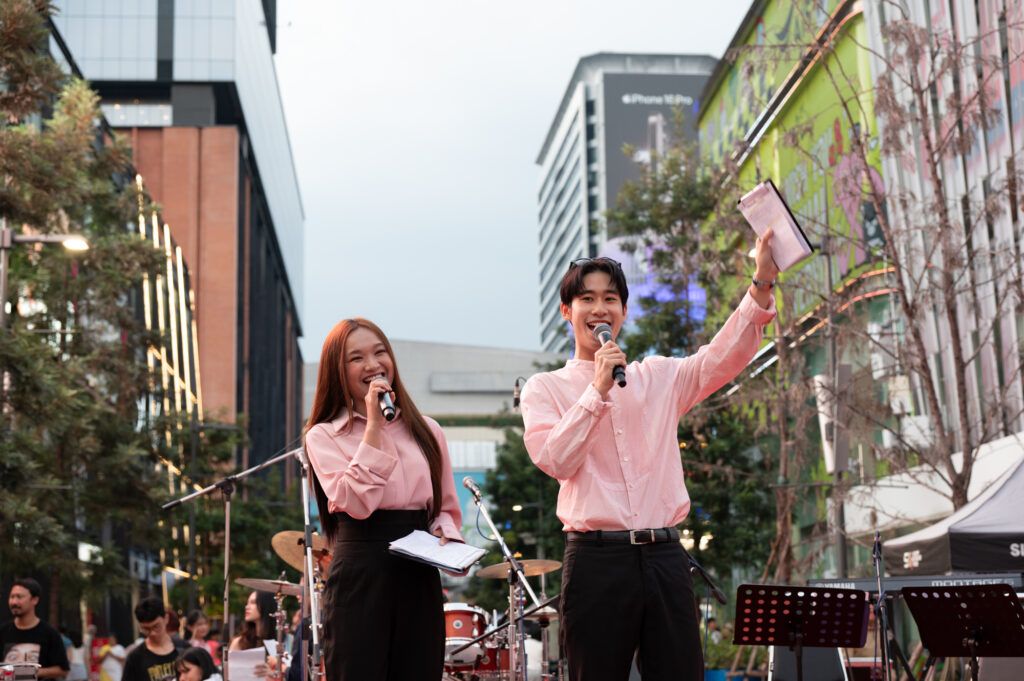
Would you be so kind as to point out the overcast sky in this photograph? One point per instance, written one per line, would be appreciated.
(414, 128)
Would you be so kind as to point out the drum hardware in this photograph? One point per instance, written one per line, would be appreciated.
(487, 656)
(518, 587)
(226, 486)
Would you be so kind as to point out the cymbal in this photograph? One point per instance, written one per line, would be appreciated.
(542, 614)
(274, 586)
(291, 546)
(531, 568)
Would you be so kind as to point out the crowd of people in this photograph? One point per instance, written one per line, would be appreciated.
(164, 651)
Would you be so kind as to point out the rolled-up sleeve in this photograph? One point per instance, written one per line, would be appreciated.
(721, 360)
(557, 443)
(355, 483)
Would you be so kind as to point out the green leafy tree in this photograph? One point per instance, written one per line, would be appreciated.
(731, 502)
(662, 216)
(76, 460)
(265, 509)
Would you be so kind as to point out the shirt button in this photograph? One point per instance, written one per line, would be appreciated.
(625, 458)
(635, 515)
(619, 431)
(631, 485)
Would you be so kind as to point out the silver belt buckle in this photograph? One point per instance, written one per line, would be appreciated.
(635, 538)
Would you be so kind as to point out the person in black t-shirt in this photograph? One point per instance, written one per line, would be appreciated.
(28, 638)
(153, 659)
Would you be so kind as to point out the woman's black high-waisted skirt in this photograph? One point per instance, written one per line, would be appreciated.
(383, 615)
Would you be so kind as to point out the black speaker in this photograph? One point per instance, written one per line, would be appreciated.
(820, 664)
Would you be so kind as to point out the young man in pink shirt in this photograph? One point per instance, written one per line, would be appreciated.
(626, 585)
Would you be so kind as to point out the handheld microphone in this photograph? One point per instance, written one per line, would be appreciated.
(603, 333)
(470, 484)
(387, 407)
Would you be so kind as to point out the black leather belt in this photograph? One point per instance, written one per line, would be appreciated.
(650, 536)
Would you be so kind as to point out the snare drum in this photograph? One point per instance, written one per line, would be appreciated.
(462, 623)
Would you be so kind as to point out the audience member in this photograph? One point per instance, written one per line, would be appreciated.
(29, 639)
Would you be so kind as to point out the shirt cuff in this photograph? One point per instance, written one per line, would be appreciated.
(592, 402)
(754, 313)
(377, 462)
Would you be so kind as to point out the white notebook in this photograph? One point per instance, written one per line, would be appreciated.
(426, 548)
(764, 207)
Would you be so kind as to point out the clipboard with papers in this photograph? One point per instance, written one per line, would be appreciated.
(764, 207)
(454, 557)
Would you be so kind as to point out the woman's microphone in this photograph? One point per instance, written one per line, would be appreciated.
(387, 407)
(603, 333)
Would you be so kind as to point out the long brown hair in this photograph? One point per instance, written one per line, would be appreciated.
(254, 633)
(332, 396)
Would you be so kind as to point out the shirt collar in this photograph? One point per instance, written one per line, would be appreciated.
(340, 421)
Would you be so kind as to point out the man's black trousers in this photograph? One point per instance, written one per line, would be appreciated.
(620, 599)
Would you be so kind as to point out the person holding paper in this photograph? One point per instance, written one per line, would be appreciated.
(259, 626)
(377, 480)
(626, 584)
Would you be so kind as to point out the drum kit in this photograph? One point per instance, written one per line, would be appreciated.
(478, 647)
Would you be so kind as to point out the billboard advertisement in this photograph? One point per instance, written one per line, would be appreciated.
(639, 112)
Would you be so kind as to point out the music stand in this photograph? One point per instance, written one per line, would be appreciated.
(800, 617)
(968, 621)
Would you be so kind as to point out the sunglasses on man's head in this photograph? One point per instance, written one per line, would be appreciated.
(580, 262)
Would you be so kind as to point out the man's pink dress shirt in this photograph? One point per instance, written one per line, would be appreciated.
(617, 460)
(359, 479)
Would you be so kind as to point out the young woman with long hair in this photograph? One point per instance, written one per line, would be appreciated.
(376, 481)
(258, 623)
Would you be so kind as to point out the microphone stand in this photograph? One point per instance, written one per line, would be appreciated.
(311, 586)
(227, 487)
(881, 621)
(697, 569)
(515, 578)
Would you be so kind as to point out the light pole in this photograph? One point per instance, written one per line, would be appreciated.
(8, 238)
